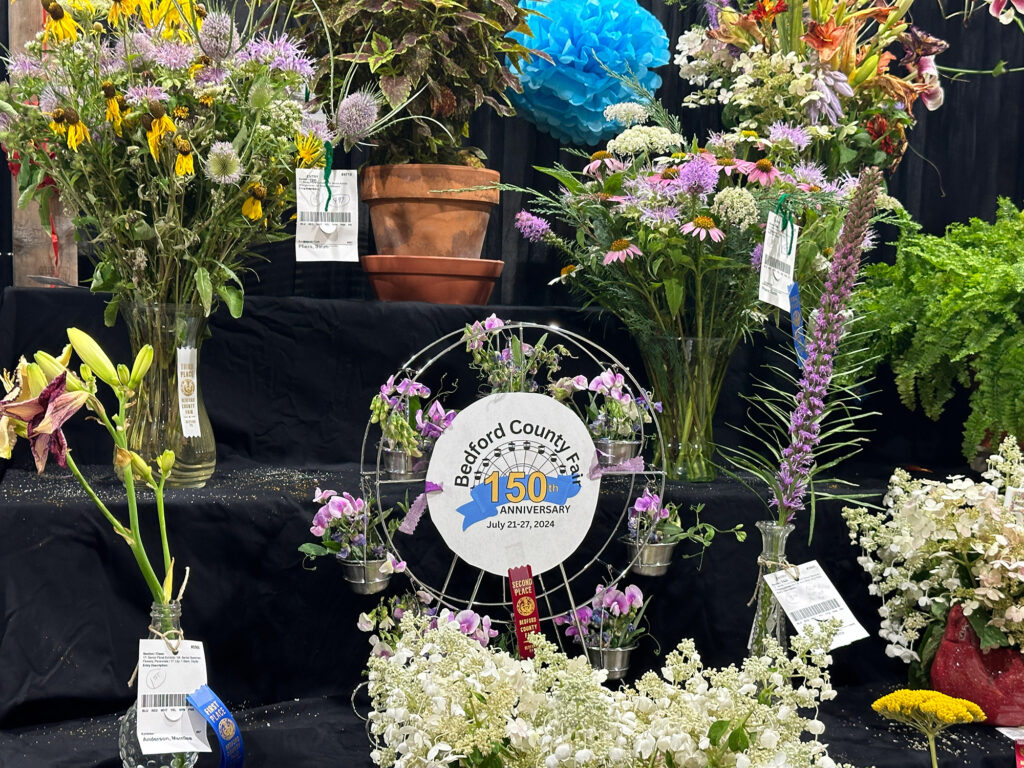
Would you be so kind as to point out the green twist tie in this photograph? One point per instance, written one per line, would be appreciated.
(328, 162)
(787, 220)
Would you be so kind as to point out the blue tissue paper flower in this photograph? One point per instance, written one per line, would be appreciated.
(567, 98)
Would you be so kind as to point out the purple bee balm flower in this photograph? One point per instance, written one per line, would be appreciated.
(798, 458)
(698, 177)
(659, 216)
(210, 76)
(810, 174)
(23, 66)
(171, 54)
(139, 95)
(796, 136)
(533, 228)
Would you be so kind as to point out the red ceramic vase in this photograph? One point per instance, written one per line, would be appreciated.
(993, 679)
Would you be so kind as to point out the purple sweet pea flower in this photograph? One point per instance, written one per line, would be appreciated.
(648, 503)
(493, 323)
(634, 595)
(412, 388)
(321, 496)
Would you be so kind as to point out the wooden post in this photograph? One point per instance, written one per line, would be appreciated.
(33, 246)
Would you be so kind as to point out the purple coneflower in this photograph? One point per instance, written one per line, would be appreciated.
(601, 163)
(621, 250)
(763, 172)
(702, 227)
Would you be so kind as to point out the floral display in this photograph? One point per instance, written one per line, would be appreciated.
(554, 711)
(940, 544)
(43, 395)
(505, 363)
(666, 236)
(930, 712)
(612, 411)
(948, 315)
(847, 73)
(653, 522)
(612, 620)
(350, 529)
(172, 136)
(567, 92)
(407, 420)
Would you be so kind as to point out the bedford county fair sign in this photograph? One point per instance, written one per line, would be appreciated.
(514, 473)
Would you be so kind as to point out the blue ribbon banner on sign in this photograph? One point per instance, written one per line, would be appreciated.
(796, 319)
(517, 489)
(206, 702)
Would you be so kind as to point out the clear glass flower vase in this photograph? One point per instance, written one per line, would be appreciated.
(169, 413)
(769, 619)
(165, 619)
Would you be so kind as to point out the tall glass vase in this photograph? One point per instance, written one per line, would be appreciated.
(686, 375)
(165, 620)
(769, 618)
(168, 410)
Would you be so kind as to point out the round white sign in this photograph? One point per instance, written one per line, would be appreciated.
(514, 471)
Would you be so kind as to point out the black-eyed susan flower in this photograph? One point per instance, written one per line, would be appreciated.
(57, 123)
(309, 151)
(184, 165)
(252, 208)
(77, 132)
(113, 115)
(118, 8)
(59, 24)
(161, 124)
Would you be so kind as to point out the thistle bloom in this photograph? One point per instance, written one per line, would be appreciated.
(702, 227)
(533, 228)
(621, 250)
(222, 164)
(218, 35)
(357, 114)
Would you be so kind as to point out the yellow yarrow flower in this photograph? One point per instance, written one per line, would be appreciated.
(59, 25)
(930, 712)
(77, 132)
(310, 151)
(252, 208)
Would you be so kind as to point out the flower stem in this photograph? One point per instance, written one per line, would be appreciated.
(163, 525)
(77, 473)
(931, 749)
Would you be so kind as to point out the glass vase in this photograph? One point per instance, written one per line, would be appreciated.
(686, 375)
(165, 619)
(168, 411)
(769, 619)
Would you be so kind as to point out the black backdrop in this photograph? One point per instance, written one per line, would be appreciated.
(961, 158)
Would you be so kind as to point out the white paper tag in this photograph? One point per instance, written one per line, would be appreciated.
(166, 721)
(326, 230)
(777, 259)
(1013, 734)
(813, 598)
(188, 402)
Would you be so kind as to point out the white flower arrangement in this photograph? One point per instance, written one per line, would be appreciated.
(638, 139)
(444, 699)
(937, 544)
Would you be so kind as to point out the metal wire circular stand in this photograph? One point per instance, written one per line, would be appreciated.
(372, 480)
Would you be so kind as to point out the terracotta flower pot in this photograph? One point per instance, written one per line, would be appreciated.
(410, 218)
(432, 278)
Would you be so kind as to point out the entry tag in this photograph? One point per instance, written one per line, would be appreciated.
(524, 607)
(327, 226)
(1013, 734)
(166, 723)
(813, 598)
(796, 320)
(188, 398)
(777, 259)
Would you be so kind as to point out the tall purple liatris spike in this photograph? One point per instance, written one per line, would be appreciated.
(804, 424)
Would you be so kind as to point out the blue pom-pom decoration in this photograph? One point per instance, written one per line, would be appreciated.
(567, 98)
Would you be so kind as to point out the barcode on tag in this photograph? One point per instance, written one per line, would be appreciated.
(325, 217)
(163, 699)
(813, 610)
(772, 263)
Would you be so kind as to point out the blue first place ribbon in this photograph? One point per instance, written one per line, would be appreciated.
(796, 319)
(209, 705)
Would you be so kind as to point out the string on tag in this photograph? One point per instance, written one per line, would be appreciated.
(777, 565)
(787, 219)
(328, 162)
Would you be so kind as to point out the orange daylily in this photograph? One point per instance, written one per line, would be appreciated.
(825, 38)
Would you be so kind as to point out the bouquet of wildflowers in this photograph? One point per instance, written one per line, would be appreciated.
(612, 620)
(653, 522)
(406, 420)
(669, 238)
(940, 544)
(350, 528)
(442, 698)
(506, 363)
(848, 72)
(612, 411)
(172, 134)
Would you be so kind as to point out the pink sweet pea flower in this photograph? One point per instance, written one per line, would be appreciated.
(321, 496)
(634, 595)
(493, 323)
(998, 9)
(392, 565)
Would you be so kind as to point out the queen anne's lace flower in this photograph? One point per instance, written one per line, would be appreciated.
(736, 206)
(652, 139)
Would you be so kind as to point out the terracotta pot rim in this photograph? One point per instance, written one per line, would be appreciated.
(432, 265)
(415, 182)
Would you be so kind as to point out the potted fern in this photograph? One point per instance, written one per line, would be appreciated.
(446, 59)
(948, 314)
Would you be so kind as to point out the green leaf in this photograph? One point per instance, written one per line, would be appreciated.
(674, 292)
(990, 637)
(142, 230)
(110, 312)
(396, 88)
(717, 731)
(240, 138)
(567, 180)
(205, 288)
(739, 740)
(233, 297)
(104, 278)
(313, 550)
(44, 199)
